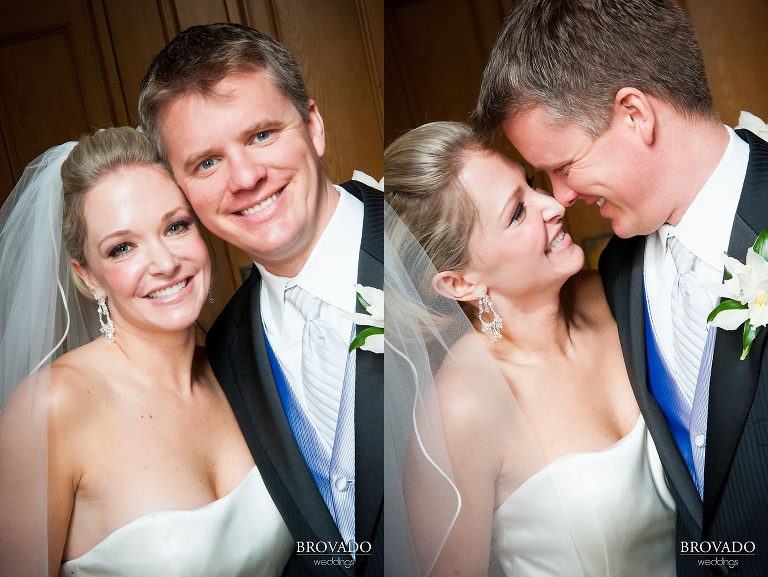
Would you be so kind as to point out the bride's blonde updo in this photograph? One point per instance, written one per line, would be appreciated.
(94, 157)
(421, 184)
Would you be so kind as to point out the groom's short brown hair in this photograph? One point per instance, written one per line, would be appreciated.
(201, 56)
(571, 57)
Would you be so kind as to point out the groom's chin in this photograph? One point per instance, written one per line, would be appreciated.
(628, 230)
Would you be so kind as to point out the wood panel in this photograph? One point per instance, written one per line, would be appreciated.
(321, 40)
(130, 33)
(735, 47)
(371, 14)
(52, 82)
(31, 109)
(192, 12)
(260, 14)
(440, 65)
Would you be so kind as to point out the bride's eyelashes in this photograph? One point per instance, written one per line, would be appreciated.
(119, 250)
(179, 227)
(519, 214)
(176, 228)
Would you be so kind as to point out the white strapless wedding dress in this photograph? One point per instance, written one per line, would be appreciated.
(598, 514)
(239, 535)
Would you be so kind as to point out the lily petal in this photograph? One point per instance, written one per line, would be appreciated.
(732, 265)
(363, 319)
(758, 316)
(725, 290)
(754, 260)
(374, 343)
(730, 319)
(371, 295)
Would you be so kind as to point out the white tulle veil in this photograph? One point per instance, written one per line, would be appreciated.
(421, 332)
(41, 317)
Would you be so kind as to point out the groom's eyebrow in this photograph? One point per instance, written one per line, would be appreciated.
(195, 158)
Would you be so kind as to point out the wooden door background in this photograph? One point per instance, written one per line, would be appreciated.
(68, 67)
(436, 52)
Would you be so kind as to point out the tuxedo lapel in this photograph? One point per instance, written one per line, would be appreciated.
(733, 382)
(267, 420)
(625, 292)
(369, 378)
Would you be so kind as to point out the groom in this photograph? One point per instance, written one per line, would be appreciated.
(610, 98)
(229, 111)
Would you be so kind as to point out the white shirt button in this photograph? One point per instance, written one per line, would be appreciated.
(699, 440)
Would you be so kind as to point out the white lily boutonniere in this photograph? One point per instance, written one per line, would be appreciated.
(745, 291)
(372, 338)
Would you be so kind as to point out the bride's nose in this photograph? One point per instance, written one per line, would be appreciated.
(551, 209)
(162, 260)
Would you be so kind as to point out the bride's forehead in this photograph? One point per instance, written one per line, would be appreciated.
(133, 201)
(142, 184)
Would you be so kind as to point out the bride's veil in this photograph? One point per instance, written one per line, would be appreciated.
(41, 317)
(422, 329)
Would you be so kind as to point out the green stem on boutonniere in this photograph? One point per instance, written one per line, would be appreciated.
(750, 334)
(359, 340)
(727, 305)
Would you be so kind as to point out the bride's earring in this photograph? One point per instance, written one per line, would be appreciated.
(107, 327)
(210, 292)
(486, 306)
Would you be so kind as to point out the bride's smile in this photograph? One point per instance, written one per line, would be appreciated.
(171, 292)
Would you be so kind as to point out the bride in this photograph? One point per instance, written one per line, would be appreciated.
(122, 456)
(526, 450)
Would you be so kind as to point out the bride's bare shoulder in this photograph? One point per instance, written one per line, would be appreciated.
(73, 382)
(468, 384)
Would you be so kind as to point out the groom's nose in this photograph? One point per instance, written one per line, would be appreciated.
(246, 170)
(564, 194)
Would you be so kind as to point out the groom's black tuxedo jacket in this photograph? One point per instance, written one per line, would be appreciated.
(238, 355)
(735, 506)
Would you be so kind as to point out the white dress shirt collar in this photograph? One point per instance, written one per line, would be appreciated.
(705, 228)
(330, 272)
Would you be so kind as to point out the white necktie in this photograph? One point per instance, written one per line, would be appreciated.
(323, 362)
(690, 307)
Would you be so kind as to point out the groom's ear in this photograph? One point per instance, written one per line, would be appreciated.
(316, 128)
(453, 284)
(635, 111)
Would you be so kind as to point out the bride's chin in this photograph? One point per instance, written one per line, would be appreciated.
(181, 322)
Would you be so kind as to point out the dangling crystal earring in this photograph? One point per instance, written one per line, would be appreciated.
(210, 292)
(107, 328)
(486, 306)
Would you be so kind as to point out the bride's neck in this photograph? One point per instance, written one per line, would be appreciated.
(165, 357)
(536, 325)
